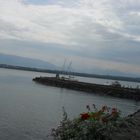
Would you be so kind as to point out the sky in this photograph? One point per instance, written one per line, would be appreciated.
(97, 36)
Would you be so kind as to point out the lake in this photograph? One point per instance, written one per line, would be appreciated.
(29, 110)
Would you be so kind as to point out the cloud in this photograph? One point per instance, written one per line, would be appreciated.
(56, 23)
(106, 30)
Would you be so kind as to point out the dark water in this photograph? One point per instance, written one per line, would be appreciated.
(28, 110)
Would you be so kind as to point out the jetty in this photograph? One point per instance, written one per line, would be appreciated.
(115, 90)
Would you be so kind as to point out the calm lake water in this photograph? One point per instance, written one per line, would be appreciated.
(29, 110)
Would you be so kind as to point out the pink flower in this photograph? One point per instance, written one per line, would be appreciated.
(114, 112)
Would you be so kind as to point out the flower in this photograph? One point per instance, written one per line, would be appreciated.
(90, 125)
(104, 108)
(114, 109)
(97, 115)
(114, 112)
(85, 116)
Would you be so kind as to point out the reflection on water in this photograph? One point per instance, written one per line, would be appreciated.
(28, 110)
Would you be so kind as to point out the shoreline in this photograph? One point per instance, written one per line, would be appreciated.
(109, 90)
(89, 75)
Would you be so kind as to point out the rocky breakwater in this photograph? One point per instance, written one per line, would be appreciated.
(111, 90)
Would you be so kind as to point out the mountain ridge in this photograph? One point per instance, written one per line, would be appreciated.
(25, 61)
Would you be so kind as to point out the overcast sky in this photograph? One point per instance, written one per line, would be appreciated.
(96, 35)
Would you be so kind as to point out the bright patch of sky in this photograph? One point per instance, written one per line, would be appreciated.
(94, 34)
(40, 2)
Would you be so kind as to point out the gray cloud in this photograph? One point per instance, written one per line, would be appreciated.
(105, 33)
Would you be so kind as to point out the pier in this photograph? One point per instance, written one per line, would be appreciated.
(110, 90)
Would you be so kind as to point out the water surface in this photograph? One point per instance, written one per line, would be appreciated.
(29, 110)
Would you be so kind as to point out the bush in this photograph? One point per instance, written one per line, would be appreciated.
(91, 125)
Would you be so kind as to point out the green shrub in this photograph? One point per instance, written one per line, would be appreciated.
(91, 125)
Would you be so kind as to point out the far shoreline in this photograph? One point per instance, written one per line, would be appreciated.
(108, 77)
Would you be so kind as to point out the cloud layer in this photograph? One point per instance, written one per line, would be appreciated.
(104, 34)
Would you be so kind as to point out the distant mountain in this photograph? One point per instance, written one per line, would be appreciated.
(25, 62)
(108, 72)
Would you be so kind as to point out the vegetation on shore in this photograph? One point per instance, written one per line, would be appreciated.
(91, 125)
